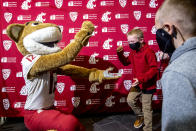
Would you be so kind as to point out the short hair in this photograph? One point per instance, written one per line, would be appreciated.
(136, 31)
(182, 12)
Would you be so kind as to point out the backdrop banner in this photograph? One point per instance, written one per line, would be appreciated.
(112, 20)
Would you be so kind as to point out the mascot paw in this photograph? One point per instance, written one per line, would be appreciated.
(108, 75)
(85, 33)
(100, 75)
(88, 25)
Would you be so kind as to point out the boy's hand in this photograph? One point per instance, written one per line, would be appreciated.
(135, 82)
(163, 56)
(135, 89)
(119, 49)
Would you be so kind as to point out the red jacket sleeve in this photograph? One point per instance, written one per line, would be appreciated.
(153, 70)
(124, 60)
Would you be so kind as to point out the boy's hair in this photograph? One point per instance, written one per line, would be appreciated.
(182, 12)
(137, 32)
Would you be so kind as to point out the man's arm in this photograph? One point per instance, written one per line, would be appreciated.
(179, 102)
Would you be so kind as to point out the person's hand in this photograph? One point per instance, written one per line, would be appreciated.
(135, 89)
(135, 82)
(119, 49)
(163, 56)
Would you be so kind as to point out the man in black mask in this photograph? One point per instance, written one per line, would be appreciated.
(176, 35)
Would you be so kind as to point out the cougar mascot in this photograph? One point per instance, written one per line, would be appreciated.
(42, 61)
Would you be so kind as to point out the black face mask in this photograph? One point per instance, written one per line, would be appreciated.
(164, 41)
(135, 46)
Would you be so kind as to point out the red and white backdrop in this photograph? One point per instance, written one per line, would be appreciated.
(112, 20)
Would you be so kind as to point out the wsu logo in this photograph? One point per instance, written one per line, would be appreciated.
(123, 3)
(25, 5)
(7, 44)
(61, 28)
(58, 3)
(158, 84)
(106, 44)
(137, 15)
(90, 4)
(126, 54)
(93, 88)
(127, 84)
(157, 54)
(75, 101)
(124, 28)
(40, 17)
(6, 73)
(92, 59)
(105, 17)
(60, 87)
(6, 104)
(109, 102)
(153, 30)
(7, 16)
(121, 71)
(73, 16)
(153, 4)
(24, 91)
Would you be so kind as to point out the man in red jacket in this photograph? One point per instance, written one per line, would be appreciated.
(144, 66)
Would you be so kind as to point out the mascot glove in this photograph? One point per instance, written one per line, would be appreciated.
(88, 26)
(85, 33)
(100, 75)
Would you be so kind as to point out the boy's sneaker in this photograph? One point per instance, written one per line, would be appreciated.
(139, 122)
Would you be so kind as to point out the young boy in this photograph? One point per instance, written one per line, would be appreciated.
(144, 66)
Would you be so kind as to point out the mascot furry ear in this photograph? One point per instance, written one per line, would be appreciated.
(14, 31)
(37, 42)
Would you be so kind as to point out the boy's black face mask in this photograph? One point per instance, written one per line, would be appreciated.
(164, 41)
(135, 46)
